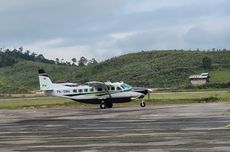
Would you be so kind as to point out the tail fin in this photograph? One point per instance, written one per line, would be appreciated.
(44, 80)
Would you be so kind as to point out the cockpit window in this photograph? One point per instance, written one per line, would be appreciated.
(125, 86)
(118, 88)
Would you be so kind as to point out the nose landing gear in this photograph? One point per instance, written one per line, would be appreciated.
(142, 104)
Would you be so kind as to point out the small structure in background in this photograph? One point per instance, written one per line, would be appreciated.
(197, 80)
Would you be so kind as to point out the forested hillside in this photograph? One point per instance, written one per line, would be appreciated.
(10, 57)
(161, 68)
(146, 68)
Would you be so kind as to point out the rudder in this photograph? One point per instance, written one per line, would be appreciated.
(44, 80)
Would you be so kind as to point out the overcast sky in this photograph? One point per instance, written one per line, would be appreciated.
(105, 28)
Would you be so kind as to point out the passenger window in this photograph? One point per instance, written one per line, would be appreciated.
(112, 88)
(80, 90)
(91, 89)
(75, 91)
(99, 89)
(85, 90)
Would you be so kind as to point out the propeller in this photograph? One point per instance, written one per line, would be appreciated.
(144, 91)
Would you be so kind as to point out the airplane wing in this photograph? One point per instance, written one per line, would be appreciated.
(98, 84)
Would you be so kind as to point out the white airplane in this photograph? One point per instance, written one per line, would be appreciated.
(94, 92)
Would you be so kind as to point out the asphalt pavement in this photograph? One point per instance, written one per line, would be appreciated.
(203, 127)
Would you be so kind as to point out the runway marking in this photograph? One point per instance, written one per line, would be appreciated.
(90, 137)
(228, 126)
(218, 128)
(113, 144)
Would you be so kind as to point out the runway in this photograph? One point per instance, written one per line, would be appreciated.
(203, 127)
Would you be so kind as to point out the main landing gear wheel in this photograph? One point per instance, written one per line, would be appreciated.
(142, 104)
(110, 105)
(103, 105)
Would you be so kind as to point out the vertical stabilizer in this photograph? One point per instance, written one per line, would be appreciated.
(44, 80)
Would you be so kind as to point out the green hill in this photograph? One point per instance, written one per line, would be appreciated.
(146, 68)
(161, 68)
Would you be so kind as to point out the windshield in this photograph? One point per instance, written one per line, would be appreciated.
(125, 86)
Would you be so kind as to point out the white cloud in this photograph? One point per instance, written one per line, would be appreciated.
(152, 5)
(53, 48)
(49, 43)
(211, 32)
(104, 28)
(122, 35)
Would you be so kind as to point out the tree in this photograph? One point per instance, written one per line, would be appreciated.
(206, 63)
(93, 61)
(57, 60)
(40, 57)
(33, 55)
(27, 52)
(20, 49)
(68, 63)
(74, 61)
(83, 61)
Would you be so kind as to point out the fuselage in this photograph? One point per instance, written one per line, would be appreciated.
(115, 92)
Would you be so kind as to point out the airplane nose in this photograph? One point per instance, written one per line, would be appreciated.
(141, 90)
(137, 95)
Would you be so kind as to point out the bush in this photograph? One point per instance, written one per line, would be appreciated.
(209, 99)
(215, 85)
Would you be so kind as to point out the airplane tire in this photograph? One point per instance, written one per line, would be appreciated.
(103, 105)
(110, 105)
(142, 104)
